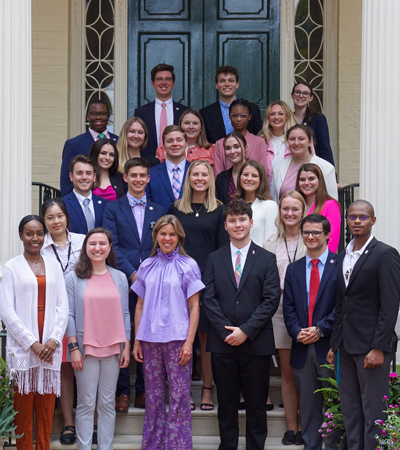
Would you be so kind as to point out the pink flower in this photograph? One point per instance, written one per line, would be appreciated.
(385, 397)
(393, 375)
(383, 431)
(324, 435)
(380, 422)
(324, 425)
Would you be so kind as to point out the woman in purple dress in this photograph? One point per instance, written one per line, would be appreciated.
(166, 318)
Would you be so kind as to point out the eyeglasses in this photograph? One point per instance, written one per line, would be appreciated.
(167, 79)
(98, 114)
(302, 94)
(236, 116)
(362, 217)
(307, 233)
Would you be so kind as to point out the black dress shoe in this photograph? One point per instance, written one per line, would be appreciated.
(289, 438)
(299, 440)
(269, 407)
(67, 438)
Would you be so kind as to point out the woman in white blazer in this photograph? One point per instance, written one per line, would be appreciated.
(253, 188)
(300, 138)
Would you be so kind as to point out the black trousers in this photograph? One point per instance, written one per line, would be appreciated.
(234, 372)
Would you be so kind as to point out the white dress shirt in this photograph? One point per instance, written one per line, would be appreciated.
(81, 198)
(170, 114)
(170, 165)
(351, 257)
(73, 239)
(244, 250)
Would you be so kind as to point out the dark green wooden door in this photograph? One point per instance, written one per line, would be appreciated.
(197, 37)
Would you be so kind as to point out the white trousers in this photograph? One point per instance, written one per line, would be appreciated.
(98, 378)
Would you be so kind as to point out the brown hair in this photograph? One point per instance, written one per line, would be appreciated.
(83, 268)
(202, 141)
(262, 192)
(162, 68)
(310, 113)
(321, 196)
(169, 219)
(122, 144)
(309, 132)
(94, 156)
(136, 162)
(80, 159)
(238, 207)
(227, 69)
(170, 129)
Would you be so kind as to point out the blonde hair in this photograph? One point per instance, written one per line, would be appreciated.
(169, 219)
(210, 202)
(278, 221)
(266, 131)
(122, 144)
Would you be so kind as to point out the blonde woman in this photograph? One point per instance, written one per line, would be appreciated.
(288, 246)
(201, 215)
(278, 118)
(132, 143)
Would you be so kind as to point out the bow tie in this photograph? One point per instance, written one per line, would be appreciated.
(134, 201)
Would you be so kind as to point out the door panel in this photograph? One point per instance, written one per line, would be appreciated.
(198, 36)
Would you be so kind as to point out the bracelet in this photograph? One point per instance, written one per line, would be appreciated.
(318, 331)
(52, 339)
(75, 348)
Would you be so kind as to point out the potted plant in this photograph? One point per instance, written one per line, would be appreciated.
(7, 412)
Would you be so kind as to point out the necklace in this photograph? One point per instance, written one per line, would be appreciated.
(287, 251)
(197, 211)
(36, 263)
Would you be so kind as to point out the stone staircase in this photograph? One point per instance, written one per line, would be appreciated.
(129, 426)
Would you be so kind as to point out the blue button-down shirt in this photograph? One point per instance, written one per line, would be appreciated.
(225, 115)
(321, 267)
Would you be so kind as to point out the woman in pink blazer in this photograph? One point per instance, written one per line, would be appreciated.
(240, 114)
(310, 183)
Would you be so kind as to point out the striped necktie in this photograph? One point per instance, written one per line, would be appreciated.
(238, 268)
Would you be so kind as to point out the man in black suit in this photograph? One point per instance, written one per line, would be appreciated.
(363, 337)
(242, 294)
(98, 116)
(309, 301)
(216, 116)
(163, 111)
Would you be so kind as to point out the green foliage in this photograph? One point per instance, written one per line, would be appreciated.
(7, 412)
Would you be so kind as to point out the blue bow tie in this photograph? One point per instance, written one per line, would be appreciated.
(134, 201)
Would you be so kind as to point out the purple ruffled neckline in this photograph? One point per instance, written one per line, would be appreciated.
(167, 255)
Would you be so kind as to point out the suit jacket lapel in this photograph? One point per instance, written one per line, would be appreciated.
(228, 262)
(148, 217)
(341, 282)
(163, 172)
(301, 273)
(89, 138)
(152, 122)
(184, 178)
(250, 258)
(218, 116)
(328, 269)
(78, 209)
(127, 211)
(361, 261)
(98, 209)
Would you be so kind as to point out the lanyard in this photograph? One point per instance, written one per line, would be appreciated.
(58, 258)
(287, 251)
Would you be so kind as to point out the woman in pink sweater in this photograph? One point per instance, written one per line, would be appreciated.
(311, 185)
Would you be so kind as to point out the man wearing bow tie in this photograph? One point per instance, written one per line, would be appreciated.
(130, 220)
(363, 337)
(84, 208)
(309, 299)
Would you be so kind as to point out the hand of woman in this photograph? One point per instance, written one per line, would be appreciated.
(185, 354)
(77, 360)
(39, 349)
(47, 350)
(137, 351)
(125, 357)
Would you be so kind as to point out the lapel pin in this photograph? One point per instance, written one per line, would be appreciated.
(152, 225)
(115, 187)
(99, 202)
(254, 252)
(177, 109)
(150, 208)
(366, 251)
(332, 261)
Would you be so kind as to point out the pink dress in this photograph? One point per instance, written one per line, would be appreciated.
(103, 325)
(331, 211)
(257, 150)
(289, 183)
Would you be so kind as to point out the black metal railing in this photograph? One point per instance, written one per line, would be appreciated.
(46, 192)
(346, 198)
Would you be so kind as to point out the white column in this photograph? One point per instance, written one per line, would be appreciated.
(15, 122)
(380, 116)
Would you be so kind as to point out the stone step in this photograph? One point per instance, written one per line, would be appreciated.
(129, 442)
(204, 423)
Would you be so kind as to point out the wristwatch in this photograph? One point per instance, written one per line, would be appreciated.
(72, 345)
